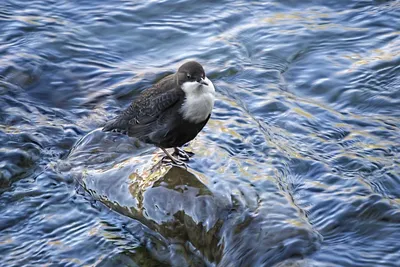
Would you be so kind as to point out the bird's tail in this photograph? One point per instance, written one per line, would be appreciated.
(113, 125)
(108, 126)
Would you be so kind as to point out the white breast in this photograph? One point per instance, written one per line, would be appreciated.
(199, 101)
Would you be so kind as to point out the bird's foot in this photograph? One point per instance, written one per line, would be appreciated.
(176, 162)
(185, 155)
(172, 159)
(119, 131)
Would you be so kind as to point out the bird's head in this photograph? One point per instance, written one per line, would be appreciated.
(191, 73)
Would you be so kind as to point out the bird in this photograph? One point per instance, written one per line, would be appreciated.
(170, 113)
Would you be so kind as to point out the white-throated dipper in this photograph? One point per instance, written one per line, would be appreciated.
(171, 113)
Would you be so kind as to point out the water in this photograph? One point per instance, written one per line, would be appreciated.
(298, 166)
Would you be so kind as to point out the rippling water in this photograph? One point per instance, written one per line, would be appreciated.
(298, 166)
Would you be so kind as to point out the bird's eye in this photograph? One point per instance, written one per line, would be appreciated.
(189, 76)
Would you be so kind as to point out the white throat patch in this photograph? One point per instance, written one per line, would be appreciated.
(199, 101)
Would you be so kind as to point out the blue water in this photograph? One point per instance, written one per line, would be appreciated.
(298, 166)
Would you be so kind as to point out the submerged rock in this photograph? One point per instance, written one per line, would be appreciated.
(213, 219)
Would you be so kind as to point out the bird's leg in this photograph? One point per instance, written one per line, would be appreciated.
(182, 153)
(173, 159)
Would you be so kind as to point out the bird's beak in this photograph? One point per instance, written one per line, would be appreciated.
(202, 81)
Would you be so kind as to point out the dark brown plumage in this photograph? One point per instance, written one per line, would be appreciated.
(156, 115)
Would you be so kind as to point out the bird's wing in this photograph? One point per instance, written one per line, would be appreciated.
(151, 108)
(139, 116)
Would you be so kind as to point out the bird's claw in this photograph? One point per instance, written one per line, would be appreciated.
(174, 161)
(185, 155)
